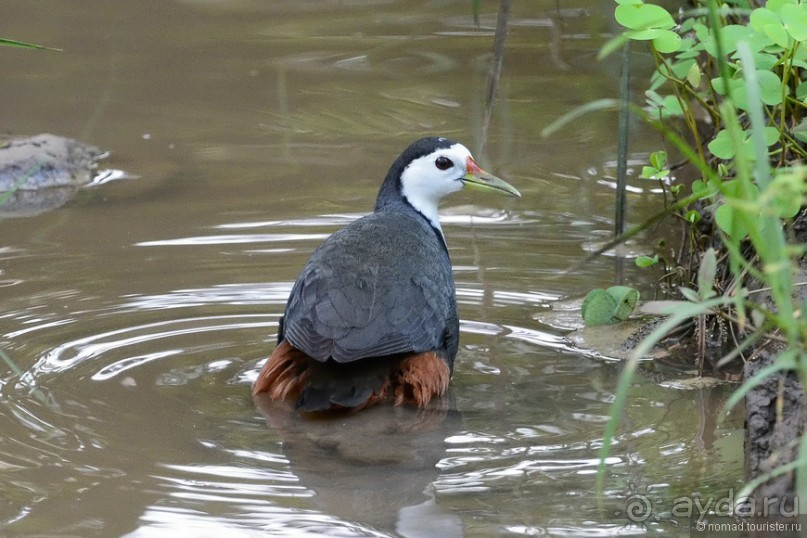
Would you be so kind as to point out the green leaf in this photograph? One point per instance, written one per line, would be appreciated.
(643, 16)
(732, 34)
(626, 299)
(598, 307)
(706, 274)
(722, 147)
(800, 131)
(765, 61)
(702, 189)
(778, 34)
(604, 307)
(648, 172)
(728, 221)
(693, 216)
(771, 136)
(770, 88)
(658, 159)
(762, 17)
(694, 75)
(663, 107)
(777, 5)
(801, 92)
(646, 261)
(795, 19)
(689, 294)
(667, 42)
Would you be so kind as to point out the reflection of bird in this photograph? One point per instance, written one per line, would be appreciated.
(373, 315)
(371, 473)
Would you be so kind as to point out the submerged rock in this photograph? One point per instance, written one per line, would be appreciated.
(43, 172)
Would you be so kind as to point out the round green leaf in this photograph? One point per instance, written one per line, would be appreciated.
(693, 216)
(795, 20)
(765, 61)
(667, 42)
(643, 35)
(643, 16)
(646, 261)
(770, 87)
(625, 299)
(777, 5)
(598, 307)
(726, 218)
(778, 34)
(771, 135)
(658, 159)
(762, 17)
(721, 147)
(732, 34)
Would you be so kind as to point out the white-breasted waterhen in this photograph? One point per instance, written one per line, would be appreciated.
(373, 315)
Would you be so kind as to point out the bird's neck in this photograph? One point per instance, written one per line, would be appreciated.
(402, 205)
(392, 197)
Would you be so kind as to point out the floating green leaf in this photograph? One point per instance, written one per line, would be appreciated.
(604, 307)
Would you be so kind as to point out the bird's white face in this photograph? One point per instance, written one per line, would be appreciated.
(427, 179)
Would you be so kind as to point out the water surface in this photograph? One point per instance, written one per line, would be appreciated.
(139, 313)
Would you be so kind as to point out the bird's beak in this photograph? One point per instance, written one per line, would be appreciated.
(476, 178)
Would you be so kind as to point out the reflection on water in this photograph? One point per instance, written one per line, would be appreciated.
(139, 313)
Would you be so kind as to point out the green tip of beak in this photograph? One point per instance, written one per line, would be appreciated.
(482, 181)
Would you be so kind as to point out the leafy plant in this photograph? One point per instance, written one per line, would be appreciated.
(739, 70)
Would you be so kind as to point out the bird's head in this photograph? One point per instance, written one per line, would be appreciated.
(432, 168)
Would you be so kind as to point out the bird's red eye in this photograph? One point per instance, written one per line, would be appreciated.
(443, 163)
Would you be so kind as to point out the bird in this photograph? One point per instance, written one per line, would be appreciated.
(372, 316)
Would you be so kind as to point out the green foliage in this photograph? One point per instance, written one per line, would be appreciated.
(647, 261)
(686, 82)
(605, 307)
(647, 22)
(743, 70)
(658, 166)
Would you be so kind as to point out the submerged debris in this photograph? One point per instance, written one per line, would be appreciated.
(43, 172)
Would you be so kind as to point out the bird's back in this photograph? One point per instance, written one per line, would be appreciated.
(381, 286)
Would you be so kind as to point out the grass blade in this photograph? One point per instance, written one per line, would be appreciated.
(24, 45)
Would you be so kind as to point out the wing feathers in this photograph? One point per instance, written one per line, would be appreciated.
(381, 286)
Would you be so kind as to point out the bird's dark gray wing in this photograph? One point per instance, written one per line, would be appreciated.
(381, 286)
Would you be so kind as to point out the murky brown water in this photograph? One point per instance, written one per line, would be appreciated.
(140, 312)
